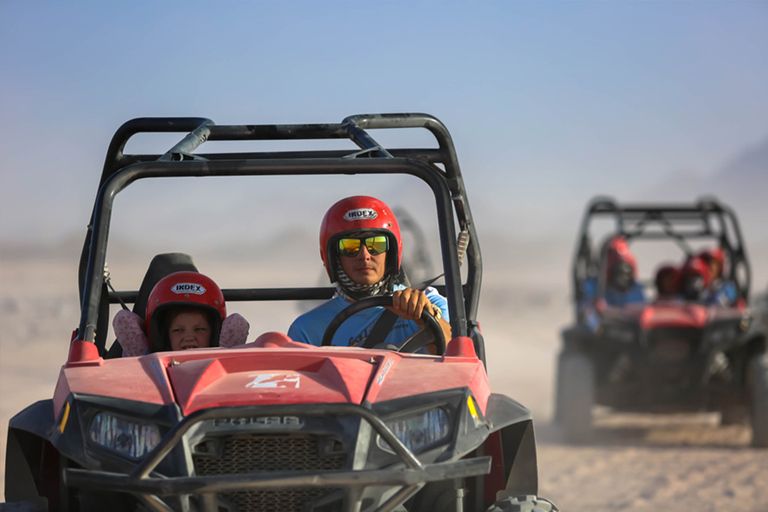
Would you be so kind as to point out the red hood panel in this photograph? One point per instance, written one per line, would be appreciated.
(130, 378)
(409, 376)
(673, 314)
(251, 375)
(269, 376)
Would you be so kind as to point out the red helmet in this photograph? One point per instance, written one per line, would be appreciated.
(618, 244)
(714, 254)
(184, 288)
(694, 277)
(618, 252)
(358, 213)
(696, 265)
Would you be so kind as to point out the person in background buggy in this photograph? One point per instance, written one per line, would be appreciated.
(621, 286)
(720, 290)
(361, 249)
(667, 282)
(184, 310)
(694, 279)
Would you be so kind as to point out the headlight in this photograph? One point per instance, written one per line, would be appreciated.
(420, 430)
(125, 437)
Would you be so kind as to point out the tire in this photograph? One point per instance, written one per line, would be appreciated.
(557, 412)
(523, 504)
(733, 416)
(576, 395)
(758, 379)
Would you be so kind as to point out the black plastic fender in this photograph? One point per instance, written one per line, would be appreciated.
(514, 424)
(27, 433)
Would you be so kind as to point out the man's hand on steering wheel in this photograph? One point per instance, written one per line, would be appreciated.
(409, 303)
(439, 329)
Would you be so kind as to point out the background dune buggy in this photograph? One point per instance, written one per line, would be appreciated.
(668, 356)
(365, 429)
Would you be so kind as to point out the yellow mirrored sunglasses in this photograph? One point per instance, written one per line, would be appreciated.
(374, 244)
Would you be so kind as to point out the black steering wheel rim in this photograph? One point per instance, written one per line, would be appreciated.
(430, 322)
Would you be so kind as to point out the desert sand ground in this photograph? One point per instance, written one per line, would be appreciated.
(640, 463)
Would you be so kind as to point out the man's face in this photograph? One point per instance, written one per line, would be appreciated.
(364, 268)
(190, 329)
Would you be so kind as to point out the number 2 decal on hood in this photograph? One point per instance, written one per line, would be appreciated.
(274, 380)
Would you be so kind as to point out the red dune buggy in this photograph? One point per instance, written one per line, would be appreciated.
(650, 352)
(276, 425)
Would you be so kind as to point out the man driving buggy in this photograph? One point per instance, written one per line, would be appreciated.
(361, 249)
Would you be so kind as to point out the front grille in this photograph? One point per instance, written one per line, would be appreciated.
(243, 454)
(278, 501)
(254, 452)
(673, 345)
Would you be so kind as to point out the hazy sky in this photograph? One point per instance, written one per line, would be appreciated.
(549, 103)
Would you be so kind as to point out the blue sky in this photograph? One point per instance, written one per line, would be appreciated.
(549, 103)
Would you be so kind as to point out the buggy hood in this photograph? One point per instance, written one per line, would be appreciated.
(271, 370)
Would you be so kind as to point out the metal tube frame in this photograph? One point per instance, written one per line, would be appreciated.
(120, 170)
(696, 214)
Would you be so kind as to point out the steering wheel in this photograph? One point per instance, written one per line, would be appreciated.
(412, 344)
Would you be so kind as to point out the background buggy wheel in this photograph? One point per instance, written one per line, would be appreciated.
(576, 395)
(733, 416)
(523, 504)
(758, 379)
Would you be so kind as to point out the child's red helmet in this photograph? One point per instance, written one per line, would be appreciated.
(354, 214)
(184, 288)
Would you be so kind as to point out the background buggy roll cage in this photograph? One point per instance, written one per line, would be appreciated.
(121, 169)
(680, 222)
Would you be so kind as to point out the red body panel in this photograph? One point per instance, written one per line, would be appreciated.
(273, 370)
(666, 314)
(269, 376)
(131, 378)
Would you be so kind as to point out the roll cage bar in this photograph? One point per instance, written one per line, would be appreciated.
(437, 167)
(705, 219)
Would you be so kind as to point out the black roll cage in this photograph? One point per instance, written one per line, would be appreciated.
(437, 167)
(706, 218)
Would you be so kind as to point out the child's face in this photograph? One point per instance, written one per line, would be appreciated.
(190, 329)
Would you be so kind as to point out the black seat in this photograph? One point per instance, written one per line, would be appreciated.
(160, 266)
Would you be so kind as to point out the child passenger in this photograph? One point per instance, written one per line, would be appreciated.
(694, 279)
(185, 310)
(188, 327)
